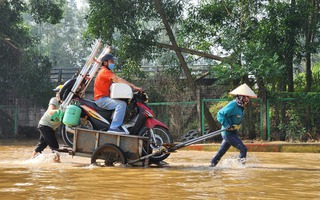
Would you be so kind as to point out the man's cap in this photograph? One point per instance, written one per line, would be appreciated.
(58, 88)
(107, 57)
(244, 90)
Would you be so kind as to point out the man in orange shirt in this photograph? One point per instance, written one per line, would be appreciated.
(102, 98)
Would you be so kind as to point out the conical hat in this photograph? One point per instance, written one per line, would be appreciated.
(244, 90)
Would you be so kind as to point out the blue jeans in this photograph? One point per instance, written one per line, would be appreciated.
(113, 104)
(229, 140)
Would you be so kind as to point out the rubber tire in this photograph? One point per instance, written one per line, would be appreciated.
(111, 154)
(65, 90)
(64, 136)
(148, 150)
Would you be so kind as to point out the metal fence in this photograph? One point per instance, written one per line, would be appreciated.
(8, 121)
(61, 75)
(286, 118)
(178, 116)
(295, 119)
(182, 117)
(289, 119)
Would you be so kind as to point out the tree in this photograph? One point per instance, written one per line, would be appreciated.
(24, 74)
(18, 57)
(44, 11)
(310, 33)
(260, 43)
(64, 42)
(137, 23)
(13, 39)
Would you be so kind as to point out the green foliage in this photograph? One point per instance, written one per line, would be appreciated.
(295, 114)
(258, 38)
(46, 11)
(107, 16)
(131, 27)
(24, 73)
(293, 128)
(213, 24)
(316, 77)
(261, 63)
(33, 79)
(64, 42)
(13, 31)
(131, 52)
(300, 79)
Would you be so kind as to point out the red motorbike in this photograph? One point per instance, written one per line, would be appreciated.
(139, 121)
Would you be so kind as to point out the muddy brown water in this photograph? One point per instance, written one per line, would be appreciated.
(187, 176)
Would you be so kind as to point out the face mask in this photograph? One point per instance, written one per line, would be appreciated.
(111, 66)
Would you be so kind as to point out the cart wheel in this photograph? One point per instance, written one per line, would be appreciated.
(108, 155)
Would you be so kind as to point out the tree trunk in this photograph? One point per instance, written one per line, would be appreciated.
(291, 34)
(309, 35)
(310, 32)
(210, 121)
(263, 96)
(290, 73)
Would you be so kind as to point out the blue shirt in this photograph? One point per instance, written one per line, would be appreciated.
(229, 115)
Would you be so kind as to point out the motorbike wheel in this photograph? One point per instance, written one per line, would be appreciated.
(68, 132)
(162, 136)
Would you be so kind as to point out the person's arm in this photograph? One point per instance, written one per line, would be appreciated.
(52, 109)
(117, 79)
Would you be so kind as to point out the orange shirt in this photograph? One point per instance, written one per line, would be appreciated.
(102, 83)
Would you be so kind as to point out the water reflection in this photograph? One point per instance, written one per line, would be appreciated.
(265, 176)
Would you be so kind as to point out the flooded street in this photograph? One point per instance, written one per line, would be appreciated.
(187, 176)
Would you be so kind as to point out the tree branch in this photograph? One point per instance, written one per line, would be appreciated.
(193, 52)
(8, 42)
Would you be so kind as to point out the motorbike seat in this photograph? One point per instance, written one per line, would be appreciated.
(92, 104)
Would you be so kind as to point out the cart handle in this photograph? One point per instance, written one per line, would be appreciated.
(169, 148)
(198, 139)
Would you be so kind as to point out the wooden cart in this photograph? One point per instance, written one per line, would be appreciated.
(108, 149)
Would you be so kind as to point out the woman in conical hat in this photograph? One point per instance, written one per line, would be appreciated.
(230, 118)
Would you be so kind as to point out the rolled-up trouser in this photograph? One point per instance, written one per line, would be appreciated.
(118, 106)
(229, 140)
(47, 137)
